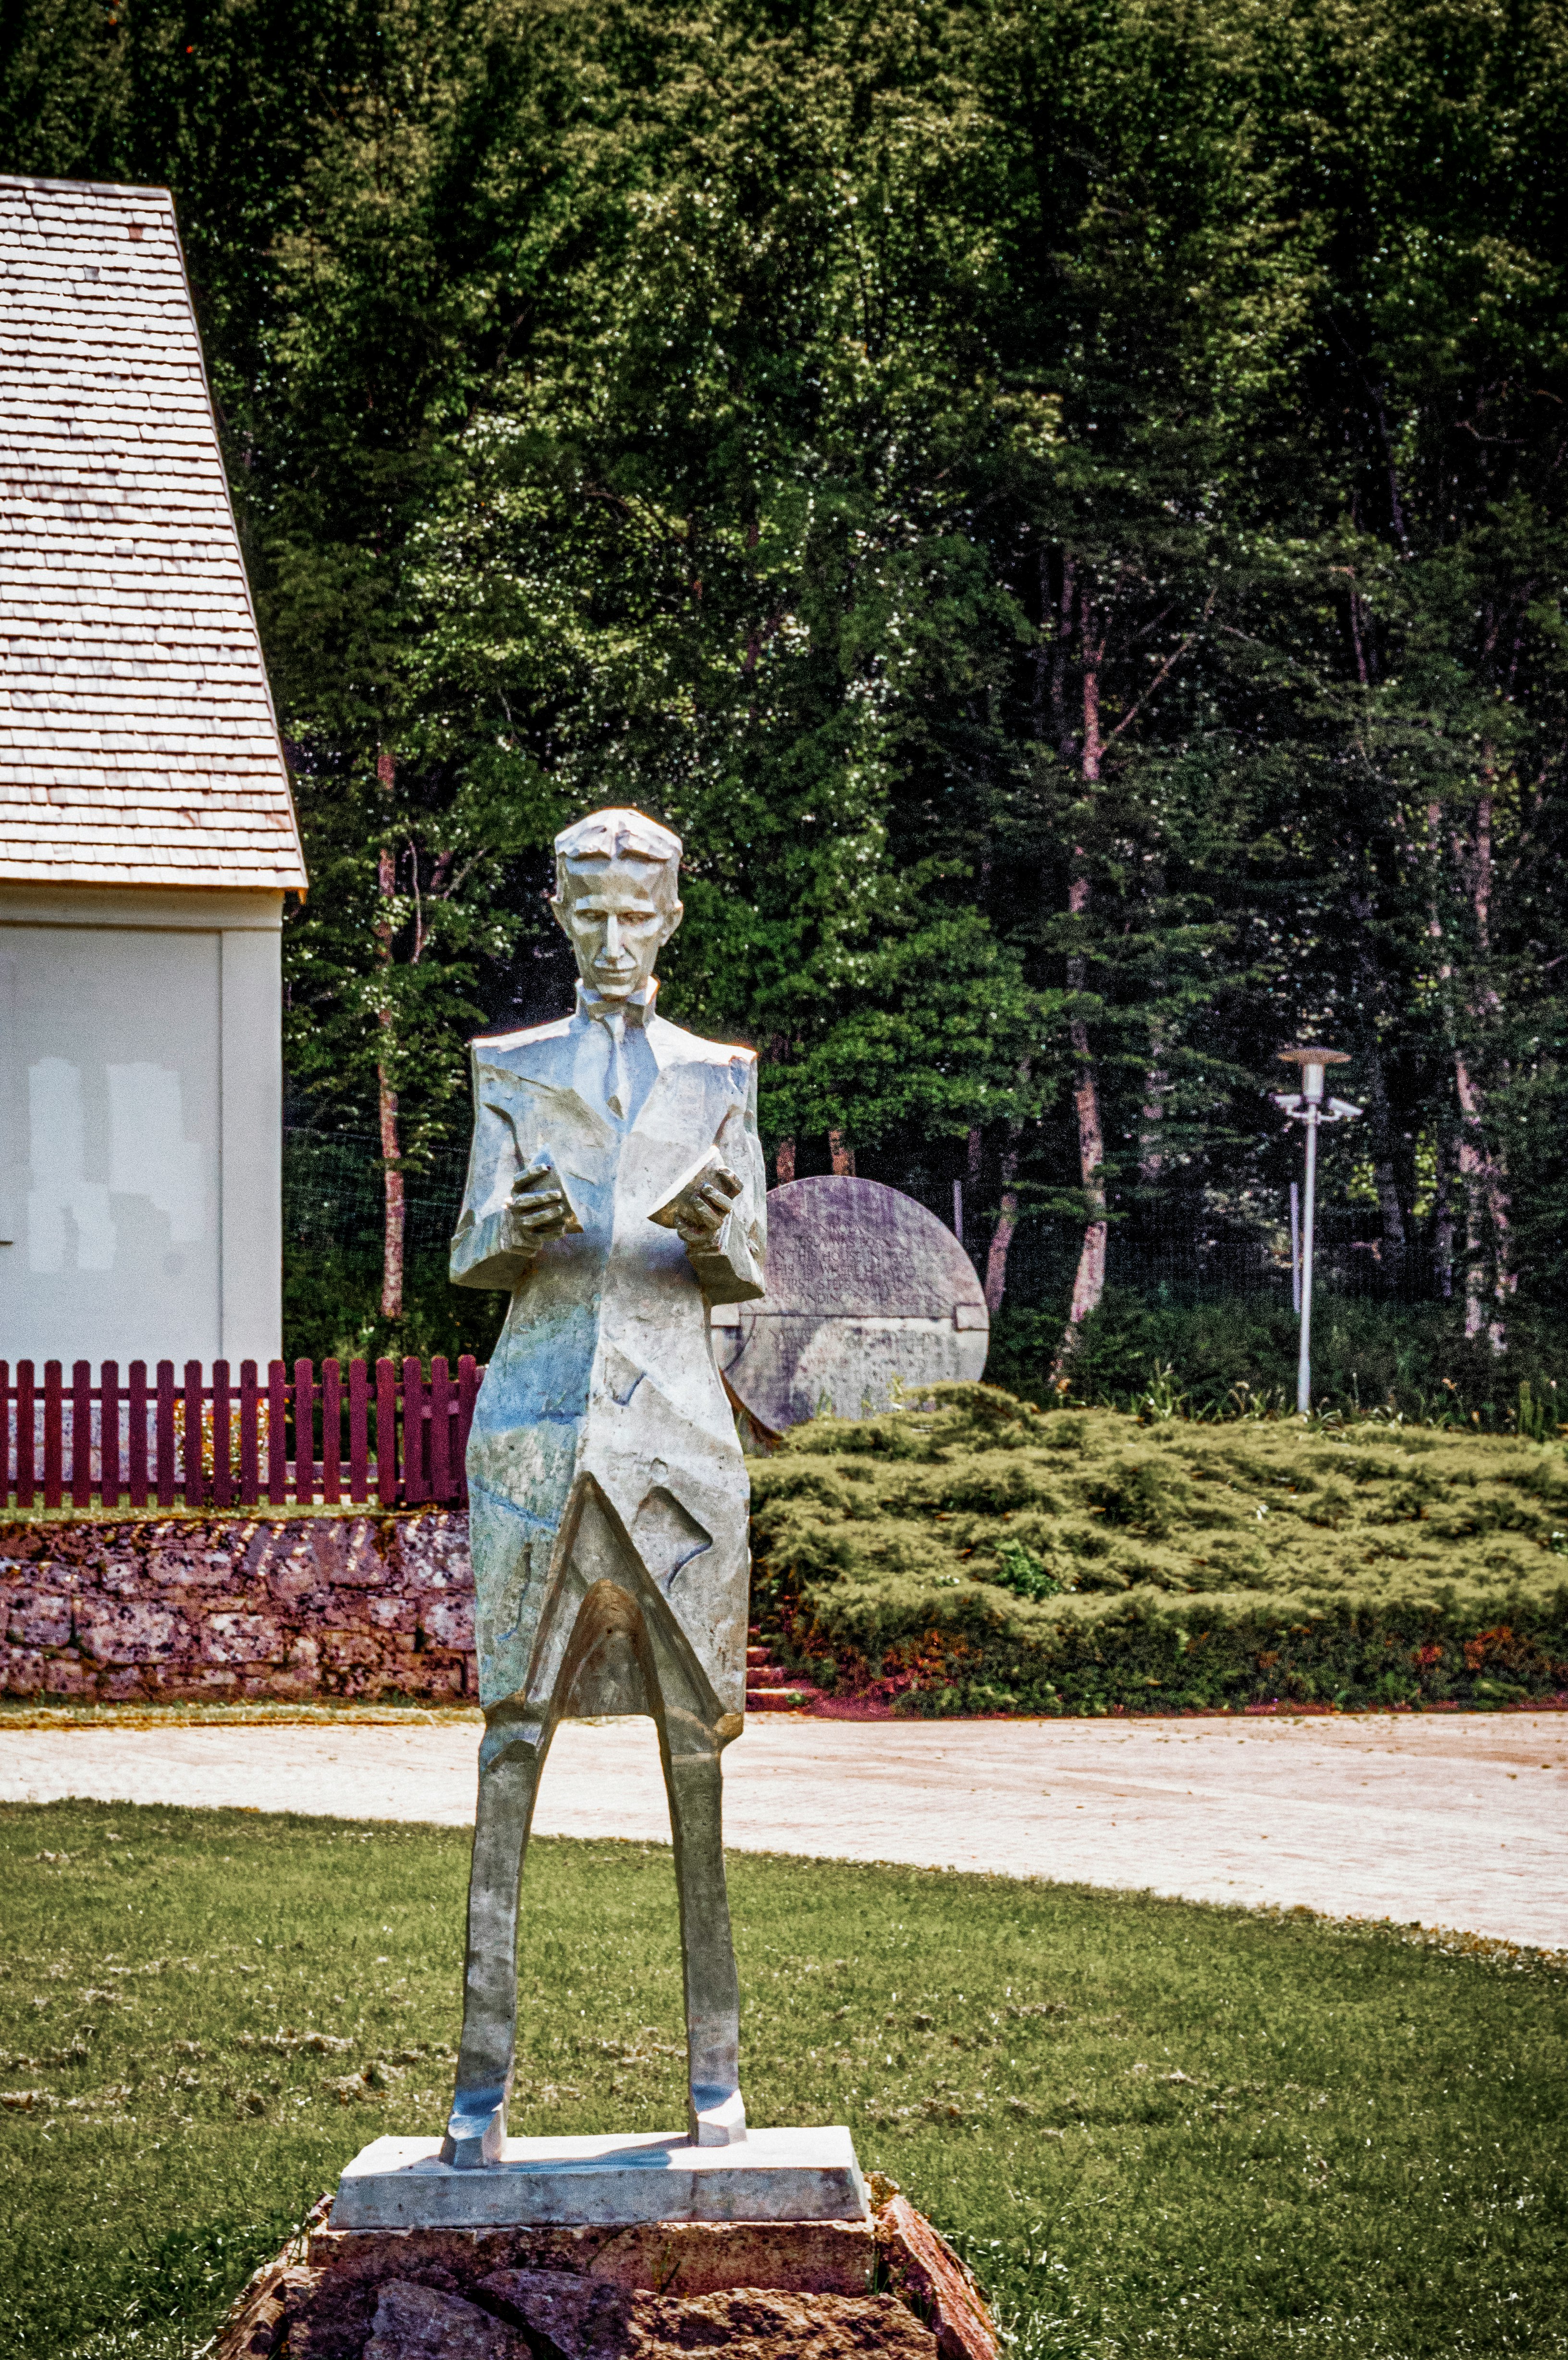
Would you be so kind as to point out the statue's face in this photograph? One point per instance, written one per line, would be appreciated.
(617, 916)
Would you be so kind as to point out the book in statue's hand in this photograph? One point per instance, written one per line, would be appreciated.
(535, 1178)
(685, 1197)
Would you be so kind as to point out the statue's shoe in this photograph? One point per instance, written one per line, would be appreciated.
(474, 2139)
(718, 2117)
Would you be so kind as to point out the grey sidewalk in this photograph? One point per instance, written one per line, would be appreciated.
(1459, 1822)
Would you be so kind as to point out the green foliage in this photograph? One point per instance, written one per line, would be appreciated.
(1236, 1356)
(331, 1310)
(979, 1554)
(1151, 2125)
(1062, 506)
(356, 1014)
(1026, 1574)
(663, 558)
(1537, 1419)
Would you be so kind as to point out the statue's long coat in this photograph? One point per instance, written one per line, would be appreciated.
(602, 1389)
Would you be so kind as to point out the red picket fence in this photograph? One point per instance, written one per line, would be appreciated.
(384, 1431)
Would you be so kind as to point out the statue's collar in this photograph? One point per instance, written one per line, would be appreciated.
(636, 1010)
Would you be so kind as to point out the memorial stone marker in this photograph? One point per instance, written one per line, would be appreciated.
(869, 1296)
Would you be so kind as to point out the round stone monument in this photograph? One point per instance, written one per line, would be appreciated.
(867, 1293)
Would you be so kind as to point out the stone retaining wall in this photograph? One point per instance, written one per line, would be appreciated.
(227, 1607)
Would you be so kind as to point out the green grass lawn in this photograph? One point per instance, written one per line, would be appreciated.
(982, 1555)
(1154, 2128)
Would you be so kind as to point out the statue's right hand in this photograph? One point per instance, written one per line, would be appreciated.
(538, 1210)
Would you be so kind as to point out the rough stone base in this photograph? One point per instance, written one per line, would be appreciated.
(650, 2257)
(774, 2290)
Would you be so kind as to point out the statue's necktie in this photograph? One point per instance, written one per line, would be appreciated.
(614, 1024)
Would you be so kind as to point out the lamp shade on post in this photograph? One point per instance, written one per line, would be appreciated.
(1306, 1105)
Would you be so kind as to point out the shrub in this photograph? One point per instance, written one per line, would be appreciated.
(979, 1554)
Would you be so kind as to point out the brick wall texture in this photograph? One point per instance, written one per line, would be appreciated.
(228, 1607)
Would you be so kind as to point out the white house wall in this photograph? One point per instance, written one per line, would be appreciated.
(140, 1125)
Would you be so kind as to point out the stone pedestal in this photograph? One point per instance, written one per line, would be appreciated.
(874, 2281)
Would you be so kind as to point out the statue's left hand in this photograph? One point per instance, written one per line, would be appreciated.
(701, 1211)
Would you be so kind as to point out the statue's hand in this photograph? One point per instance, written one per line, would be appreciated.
(700, 1213)
(535, 1212)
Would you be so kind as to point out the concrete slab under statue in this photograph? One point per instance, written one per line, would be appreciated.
(868, 1296)
(788, 2175)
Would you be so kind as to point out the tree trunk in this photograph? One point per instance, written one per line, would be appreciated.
(777, 1053)
(392, 1213)
(1486, 1224)
(1482, 1176)
(973, 1174)
(1387, 1184)
(1470, 1177)
(1380, 1127)
(1486, 1239)
(1089, 1281)
(1008, 1213)
(841, 1155)
(1006, 1222)
(1150, 1139)
(1442, 1220)
(392, 1240)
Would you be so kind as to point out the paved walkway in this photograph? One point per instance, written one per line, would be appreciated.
(1459, 1822)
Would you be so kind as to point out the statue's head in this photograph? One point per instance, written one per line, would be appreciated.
(615, 897)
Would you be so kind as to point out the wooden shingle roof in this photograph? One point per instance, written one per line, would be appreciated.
(138, 739)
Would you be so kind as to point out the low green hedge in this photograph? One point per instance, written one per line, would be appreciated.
(981, 1555)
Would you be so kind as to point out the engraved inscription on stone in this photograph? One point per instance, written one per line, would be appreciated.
(867, 1293)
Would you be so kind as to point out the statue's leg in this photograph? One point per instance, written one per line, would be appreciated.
(511, 1756)
(717, 2111)
(690, 1747)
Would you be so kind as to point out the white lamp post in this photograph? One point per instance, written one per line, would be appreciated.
(1307, 1105)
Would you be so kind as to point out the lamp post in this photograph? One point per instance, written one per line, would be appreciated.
(1307, 1105)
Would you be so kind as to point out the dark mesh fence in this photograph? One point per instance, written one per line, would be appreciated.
(1188, 1253)
(333, 1200)
(333, 1195)
(1194, 1286)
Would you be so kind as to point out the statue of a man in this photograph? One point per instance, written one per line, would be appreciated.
(615, 1190)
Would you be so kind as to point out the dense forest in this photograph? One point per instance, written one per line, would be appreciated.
(1062, 506)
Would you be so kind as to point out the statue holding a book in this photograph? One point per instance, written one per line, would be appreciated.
(616, 1191)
